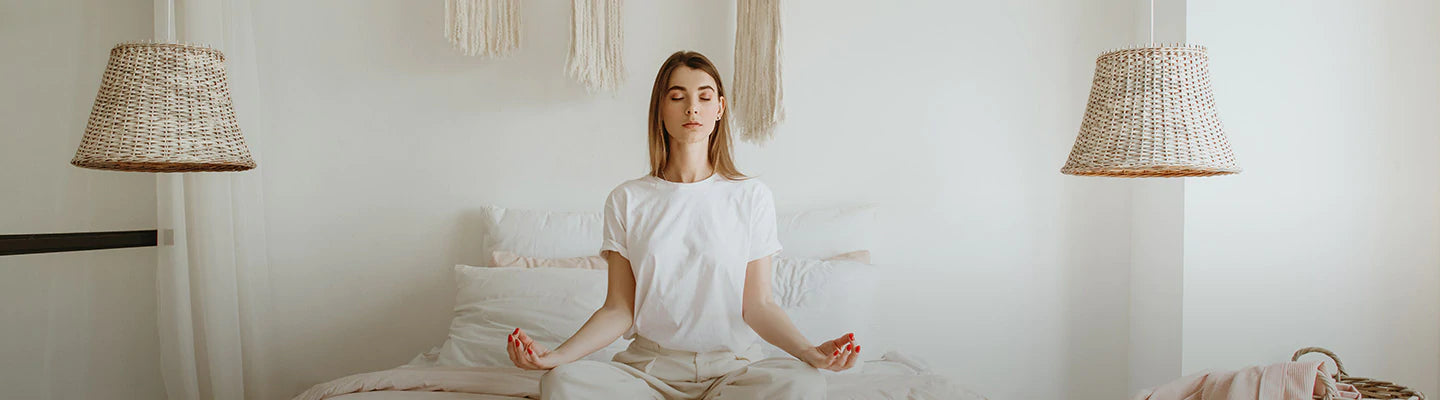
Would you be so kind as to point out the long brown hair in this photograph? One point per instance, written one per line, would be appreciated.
(720, 144)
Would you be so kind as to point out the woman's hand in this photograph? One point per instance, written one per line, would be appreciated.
(835, 355)
(527, 354)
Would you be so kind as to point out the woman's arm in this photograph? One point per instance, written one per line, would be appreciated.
(765, 316)
(607, 324)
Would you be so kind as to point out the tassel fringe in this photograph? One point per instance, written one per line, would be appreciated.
(489, 28)
(596, 38)
(758, 95)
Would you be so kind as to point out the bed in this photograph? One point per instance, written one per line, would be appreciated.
(551, 301)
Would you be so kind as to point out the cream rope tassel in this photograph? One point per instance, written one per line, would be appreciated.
(489, 28)
(758, 93)
(596, 39)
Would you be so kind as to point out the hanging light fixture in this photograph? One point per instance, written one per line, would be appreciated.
(163, 107)
(1151, 114)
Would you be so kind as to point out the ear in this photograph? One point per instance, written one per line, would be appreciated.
(722, 108)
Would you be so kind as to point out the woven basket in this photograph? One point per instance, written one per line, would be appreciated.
(163, 108)
(1151, 113)
(1369, 388)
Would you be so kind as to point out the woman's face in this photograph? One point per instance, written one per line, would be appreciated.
(692, 105)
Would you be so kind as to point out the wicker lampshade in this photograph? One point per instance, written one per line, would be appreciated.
(1151, 114)
(163, 108)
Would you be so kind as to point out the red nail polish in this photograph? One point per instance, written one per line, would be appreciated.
(837, 352)
(516, 332)
(857, 349)
(532, 352)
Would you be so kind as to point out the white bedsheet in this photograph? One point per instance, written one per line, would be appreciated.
(842, 387)
(891, 378)
(403, 395)
(863, 386)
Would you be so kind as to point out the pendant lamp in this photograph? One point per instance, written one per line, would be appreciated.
(1151, 113)
(163, 107)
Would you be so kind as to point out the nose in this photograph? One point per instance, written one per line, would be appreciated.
(692, 110)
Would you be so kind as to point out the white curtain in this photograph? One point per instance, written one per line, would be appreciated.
(212, 281)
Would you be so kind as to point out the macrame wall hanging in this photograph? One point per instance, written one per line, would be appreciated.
(757, 98)
(596, 35)
(489, 28)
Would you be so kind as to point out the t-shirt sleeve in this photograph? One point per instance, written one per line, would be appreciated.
(615, 225)
(764, 238)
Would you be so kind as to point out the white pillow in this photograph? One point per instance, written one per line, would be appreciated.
(825, 232)
(535, 233)
(814, 233)
(826, 299)
(550, 304)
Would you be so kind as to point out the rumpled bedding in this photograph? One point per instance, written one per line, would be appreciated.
(889, 378)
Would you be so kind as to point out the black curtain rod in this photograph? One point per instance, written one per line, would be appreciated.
(61, 242)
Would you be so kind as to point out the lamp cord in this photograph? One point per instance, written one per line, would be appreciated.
(170, 21)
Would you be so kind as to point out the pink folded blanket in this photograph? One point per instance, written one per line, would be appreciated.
(1281, 381)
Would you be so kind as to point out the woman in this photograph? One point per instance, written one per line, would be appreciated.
(688, 248)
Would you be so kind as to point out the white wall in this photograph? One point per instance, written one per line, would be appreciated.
(955, 117)
(1157, 224)
(77, 325)
(1329, 238)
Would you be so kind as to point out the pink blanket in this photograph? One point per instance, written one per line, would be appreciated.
(1280, 381)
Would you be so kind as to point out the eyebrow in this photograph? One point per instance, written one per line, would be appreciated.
(678, 87)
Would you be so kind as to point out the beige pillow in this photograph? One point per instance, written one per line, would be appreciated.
(505, 258)
(860, 256)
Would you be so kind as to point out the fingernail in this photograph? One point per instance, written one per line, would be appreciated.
(837, 352)
(849, 346)
(857, 349)
(516, 332)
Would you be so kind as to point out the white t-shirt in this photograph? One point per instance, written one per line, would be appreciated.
(688, 246)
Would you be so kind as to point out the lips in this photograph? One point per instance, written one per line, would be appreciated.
(692, 124)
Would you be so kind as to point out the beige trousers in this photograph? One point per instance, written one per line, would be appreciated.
(647, 371)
